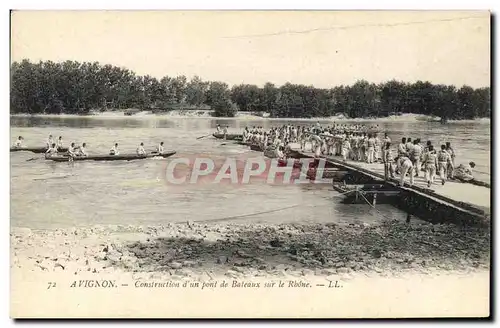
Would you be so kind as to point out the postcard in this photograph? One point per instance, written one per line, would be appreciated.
(250, 164)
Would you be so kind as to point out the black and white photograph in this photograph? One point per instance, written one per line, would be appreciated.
(250, 164)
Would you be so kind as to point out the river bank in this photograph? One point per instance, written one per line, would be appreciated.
(206, 114)
(177, 270)
(194, 250)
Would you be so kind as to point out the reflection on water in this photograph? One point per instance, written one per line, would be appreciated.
(46, 194)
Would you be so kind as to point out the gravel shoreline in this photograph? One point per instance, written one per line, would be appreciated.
(194, 251)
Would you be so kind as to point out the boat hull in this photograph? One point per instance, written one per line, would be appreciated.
(124, 157)
(270, 153)
(334, 174)
(37, 150)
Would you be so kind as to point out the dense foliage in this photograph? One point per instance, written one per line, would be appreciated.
(72, 87)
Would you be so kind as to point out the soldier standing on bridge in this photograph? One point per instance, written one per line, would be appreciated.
(444, 159)
(388, 161)
(346, 147)
(451, 164)
(415, 155)
(431, 163)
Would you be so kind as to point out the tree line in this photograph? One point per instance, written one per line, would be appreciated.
(78, 88)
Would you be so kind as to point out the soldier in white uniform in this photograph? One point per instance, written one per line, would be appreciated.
(431, 163)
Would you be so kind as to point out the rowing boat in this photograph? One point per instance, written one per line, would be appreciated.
(124, 157)
(37, 150)
(228, 136)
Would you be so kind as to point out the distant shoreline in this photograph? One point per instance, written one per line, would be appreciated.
(206, 114)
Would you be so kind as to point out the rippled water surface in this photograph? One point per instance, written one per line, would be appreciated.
(45, 194)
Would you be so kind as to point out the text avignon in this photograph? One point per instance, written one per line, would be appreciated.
(94, 283)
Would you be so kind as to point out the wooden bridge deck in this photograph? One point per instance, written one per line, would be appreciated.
(452, 192)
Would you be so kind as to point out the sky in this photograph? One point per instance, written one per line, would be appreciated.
(320, 48)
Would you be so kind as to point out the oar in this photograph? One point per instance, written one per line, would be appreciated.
(49, 178)
(482, 172)
(204, 136)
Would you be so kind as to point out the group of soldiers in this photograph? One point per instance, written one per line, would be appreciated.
(322, 140)
(412, 157)
(363, 143)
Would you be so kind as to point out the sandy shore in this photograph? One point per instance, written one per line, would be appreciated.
(388, 270)
(193, 250)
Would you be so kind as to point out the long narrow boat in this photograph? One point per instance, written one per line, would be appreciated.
(228, 136)
(335, 174)
(37, 150)
(124, 157)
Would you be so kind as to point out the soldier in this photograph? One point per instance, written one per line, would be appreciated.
(449, 168)
(402, 149)
(19, 142)
(430, 160)
(444, 160)
(388, 161)
(464, 172)
(416, 156)
(346, 147)
(405, 166)
(370, 151)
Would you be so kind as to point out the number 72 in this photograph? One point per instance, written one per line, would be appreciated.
(51, 284)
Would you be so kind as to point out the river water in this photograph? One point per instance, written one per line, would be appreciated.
(48, 195)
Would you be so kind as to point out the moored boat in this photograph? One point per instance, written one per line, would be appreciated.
(327, 173)
(124, 157)
(256, 147)
(37, 150)
(228, 136)
(284, 162)
(270, 152)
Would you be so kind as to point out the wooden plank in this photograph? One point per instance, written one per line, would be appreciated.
(369, 189)
(384, 192)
